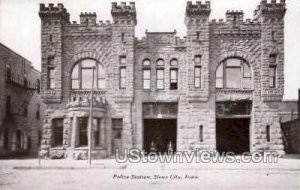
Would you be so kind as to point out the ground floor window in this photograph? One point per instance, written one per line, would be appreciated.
(57, 126)
(117, 125)
(97, 131)
(83, 131)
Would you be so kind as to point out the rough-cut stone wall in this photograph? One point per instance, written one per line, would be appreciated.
(103, 42)
(214, 41)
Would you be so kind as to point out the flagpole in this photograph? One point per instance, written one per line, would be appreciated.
(91, 120)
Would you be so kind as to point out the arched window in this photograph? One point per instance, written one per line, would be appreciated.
(160, 72)
(146, 74)
(82, 75)
(173, 74)
(233, 73)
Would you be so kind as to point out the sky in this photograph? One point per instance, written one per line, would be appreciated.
(20, 25)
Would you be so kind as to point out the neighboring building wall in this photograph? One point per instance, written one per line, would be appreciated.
(20, 85)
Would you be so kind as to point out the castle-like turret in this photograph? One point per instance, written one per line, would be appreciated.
(53, 18)
(123, 12)
(271, 16)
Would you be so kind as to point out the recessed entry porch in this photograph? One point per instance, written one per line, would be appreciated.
(233, 126)
(160, 127)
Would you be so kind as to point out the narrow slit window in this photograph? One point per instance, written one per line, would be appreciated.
(201, 133)
(122, 77)
(272, 76)
(268, 133)
(197, 77)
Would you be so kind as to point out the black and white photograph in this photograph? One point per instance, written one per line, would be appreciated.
(149, 94)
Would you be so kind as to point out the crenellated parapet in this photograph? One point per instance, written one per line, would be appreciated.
(235, 17)
(271, 9)
(123, 12)
(89, 19)
(51, 11)
(198, 10)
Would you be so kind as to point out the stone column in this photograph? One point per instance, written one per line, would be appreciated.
(74, 131)
(102, 133)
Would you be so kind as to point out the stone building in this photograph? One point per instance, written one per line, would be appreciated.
(21, 108)
(219, 88)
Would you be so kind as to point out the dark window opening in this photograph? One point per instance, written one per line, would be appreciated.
(83, 131)
(268, 133)
(97, 135)
(50, 38)
(37, 113)
(201, 133)
(198, 36)
(50, 61)
(272, 59)
(272, 76)
(173, 79)
(38, 85)
(57, 126)
(117, 128)
(123, 37)
(273, 34)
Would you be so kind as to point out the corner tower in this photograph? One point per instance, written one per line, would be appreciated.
(53, 19)
(271, 16)
(197, 41)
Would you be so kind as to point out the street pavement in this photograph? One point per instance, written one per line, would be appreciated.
(108, 174)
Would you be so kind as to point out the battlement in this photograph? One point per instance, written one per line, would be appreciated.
(198, 9)
(272, 8)
(235, 17)
(89, 19)
(247, 21)
(123, 11)
(54, 11)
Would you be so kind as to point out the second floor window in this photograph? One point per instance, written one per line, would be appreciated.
(7, 72)
(146, 78)
(123, 77)
(197, 77)
(51, 78)
(272, 76)
(233, 73)
(173, 78)
(82, 75)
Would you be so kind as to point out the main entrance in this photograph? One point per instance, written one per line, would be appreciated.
(160, 134)
(233, 135)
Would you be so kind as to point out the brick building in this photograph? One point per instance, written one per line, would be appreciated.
(21, 108)
(219, 88)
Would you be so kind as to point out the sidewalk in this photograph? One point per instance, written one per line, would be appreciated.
(60, 164)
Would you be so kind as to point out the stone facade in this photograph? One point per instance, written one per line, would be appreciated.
(20, 104)
(255, 42)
